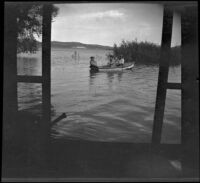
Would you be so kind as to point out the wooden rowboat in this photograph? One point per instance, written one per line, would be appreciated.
(106, 68)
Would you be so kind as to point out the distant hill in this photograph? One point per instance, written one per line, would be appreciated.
(57, 44)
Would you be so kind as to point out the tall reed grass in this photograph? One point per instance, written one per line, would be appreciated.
(145, 53)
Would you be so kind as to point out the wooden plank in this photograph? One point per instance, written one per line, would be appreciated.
(62, 116)
(29, 79)
(46, 84)
(46, 64)
(190, 92)
(174, 86)
(10, 68)
(163, 75)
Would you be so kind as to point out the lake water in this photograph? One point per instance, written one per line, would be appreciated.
(114, 106)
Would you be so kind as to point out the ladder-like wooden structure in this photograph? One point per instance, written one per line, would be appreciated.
(45, 79)
(189, 84)
(163, 83)
(10, 106)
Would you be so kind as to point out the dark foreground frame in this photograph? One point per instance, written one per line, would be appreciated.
(187, 151)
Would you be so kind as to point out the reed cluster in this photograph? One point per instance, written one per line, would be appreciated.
(145, 53)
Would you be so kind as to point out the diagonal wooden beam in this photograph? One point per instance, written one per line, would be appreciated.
(163, 75)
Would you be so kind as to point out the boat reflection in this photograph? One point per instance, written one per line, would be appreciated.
(111, 78)
(116, 74)
(93, 75)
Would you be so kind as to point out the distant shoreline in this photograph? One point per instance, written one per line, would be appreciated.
(76, 45)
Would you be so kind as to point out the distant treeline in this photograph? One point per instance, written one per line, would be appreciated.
(145, 52)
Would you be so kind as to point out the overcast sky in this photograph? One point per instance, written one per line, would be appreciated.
(109, 23)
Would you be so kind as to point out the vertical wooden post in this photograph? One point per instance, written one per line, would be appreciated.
(190, 94)
(46, 71)
(10, 68)
(163, 75)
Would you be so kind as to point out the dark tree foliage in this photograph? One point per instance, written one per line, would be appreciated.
(29, 25)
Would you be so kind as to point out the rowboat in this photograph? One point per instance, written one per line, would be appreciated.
(106, 68)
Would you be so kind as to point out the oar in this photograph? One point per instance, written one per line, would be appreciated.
(62, 116)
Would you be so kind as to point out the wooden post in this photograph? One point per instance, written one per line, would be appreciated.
(10, 69)
(46, 75)
(190, 93)
(163, 75)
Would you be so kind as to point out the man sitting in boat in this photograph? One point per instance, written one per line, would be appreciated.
(93, 64)
(120, 61)
(111, 61)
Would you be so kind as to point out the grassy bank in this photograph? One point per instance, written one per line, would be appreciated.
(145, 53)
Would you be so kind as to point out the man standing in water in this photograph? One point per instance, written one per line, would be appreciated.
(93, 64)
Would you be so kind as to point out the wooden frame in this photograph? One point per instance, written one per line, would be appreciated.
(163, 76)
(189, 85)
(10, 67)
(46, 69)
(190, 90)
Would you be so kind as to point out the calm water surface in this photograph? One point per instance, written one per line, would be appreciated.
(112, 106)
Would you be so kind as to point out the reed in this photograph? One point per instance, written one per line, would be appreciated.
(145, 53)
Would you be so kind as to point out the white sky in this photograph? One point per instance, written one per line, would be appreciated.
(109, 23)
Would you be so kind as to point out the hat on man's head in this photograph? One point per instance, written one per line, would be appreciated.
(91, 57)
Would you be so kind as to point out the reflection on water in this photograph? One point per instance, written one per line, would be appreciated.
(30, 96)
(110, 76)
(92, 77)
(101, 106)
(29, 66)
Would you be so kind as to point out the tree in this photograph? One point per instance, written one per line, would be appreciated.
(29, 25)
